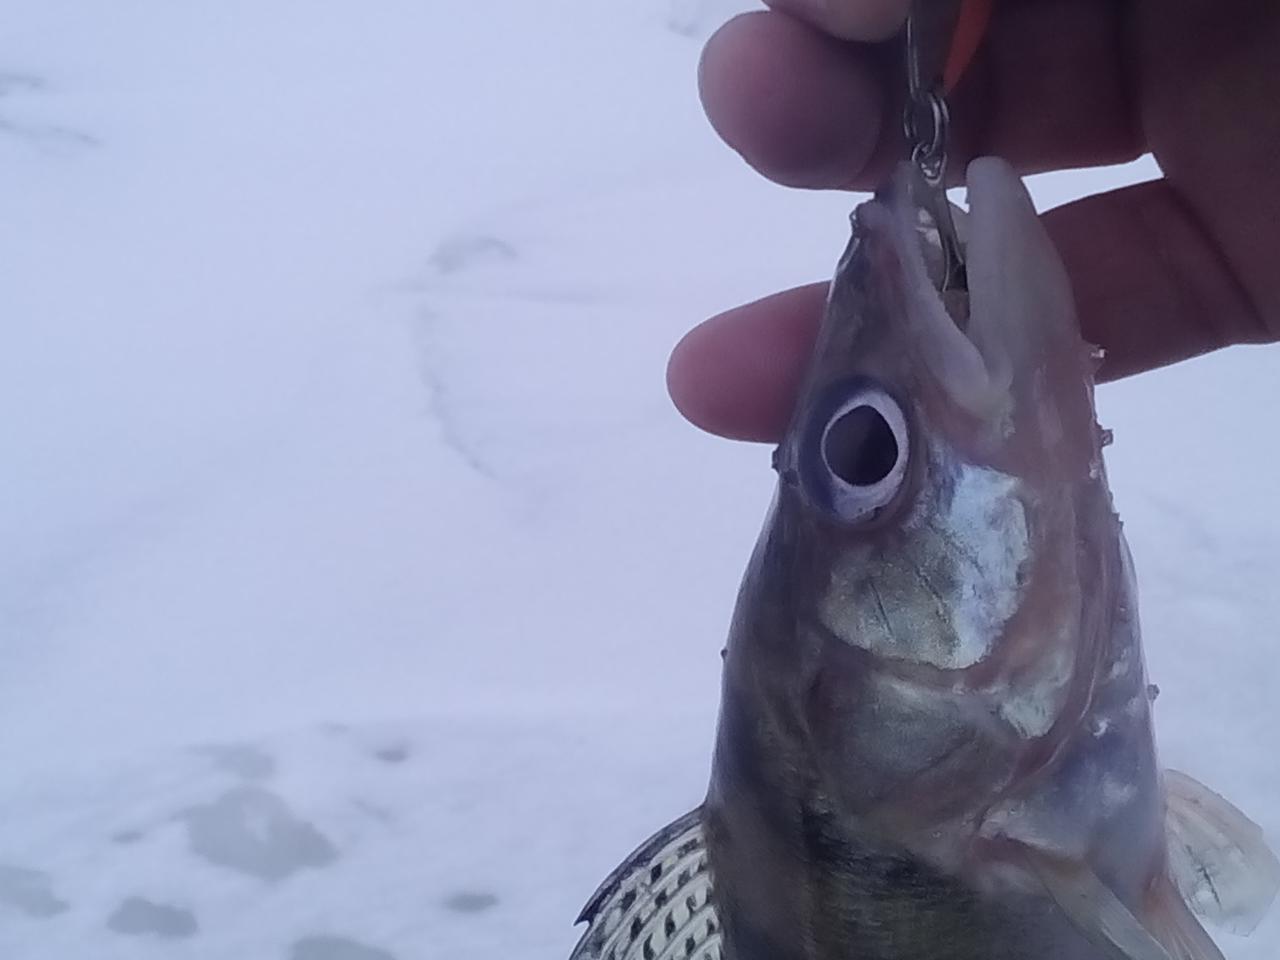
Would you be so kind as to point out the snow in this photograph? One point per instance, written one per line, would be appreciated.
(360, 592)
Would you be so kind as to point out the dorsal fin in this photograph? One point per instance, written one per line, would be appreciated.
(657, 904)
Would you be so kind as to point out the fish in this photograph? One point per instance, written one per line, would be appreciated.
(935, 738)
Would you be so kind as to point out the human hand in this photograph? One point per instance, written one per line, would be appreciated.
(1162, 271)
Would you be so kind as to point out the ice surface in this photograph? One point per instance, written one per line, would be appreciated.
(360, 593)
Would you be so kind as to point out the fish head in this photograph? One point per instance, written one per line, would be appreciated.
(942, 513)
(935, 725)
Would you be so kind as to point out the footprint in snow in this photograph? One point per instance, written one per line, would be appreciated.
(138, 917)
(19, 82)
(30, 892)
(467, 250)
(470, 901)
(335, 948)
(394, 754)
(253, 831)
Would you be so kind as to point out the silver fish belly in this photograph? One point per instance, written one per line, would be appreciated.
(936, 735)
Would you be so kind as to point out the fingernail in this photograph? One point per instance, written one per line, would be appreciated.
(866, 20)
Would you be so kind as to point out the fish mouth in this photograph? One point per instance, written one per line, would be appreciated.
(942, 231)
(1014, 321)
(906, 249)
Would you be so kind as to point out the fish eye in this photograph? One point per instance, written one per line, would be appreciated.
(863, 450)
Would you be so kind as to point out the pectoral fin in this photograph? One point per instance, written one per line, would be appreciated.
(657, 905)
(1218, 857)
(1096, 911)
(1172, 923)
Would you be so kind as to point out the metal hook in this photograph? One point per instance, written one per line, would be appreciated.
(925, 122)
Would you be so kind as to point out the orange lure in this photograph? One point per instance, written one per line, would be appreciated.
(971, 26)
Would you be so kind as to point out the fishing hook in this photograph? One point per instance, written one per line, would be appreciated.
(925, 123)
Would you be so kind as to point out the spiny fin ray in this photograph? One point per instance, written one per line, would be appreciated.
(657, 905)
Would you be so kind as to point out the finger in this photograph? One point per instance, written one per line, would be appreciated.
(866, 20)
(772, 88)
(738, 374)
(1151, 288)
(1047, 90)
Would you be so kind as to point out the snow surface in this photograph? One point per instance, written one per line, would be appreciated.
(360, 592)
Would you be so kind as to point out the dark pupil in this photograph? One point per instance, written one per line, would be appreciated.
(860, 447)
